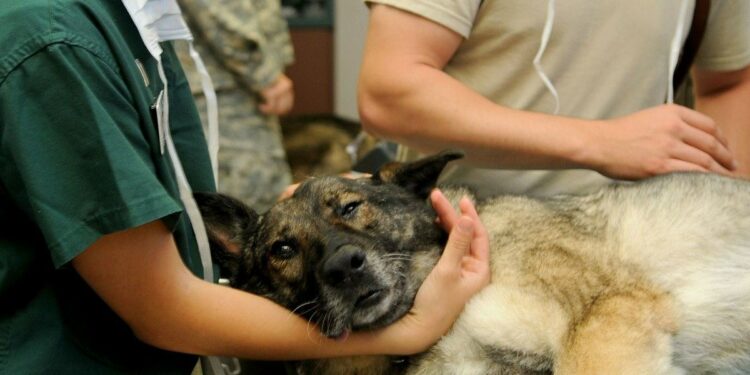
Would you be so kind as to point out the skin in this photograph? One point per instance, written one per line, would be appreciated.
(723, 96)
(404, 50)
(187, 314)
(278, 97)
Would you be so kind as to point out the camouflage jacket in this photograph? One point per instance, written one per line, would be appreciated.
(242, 42)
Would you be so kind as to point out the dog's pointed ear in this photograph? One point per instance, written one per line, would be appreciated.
(230, 225)
(419, 176)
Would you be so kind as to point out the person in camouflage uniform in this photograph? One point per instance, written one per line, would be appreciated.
(245, 46)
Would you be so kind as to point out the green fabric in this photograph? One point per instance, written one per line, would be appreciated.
(80, 158)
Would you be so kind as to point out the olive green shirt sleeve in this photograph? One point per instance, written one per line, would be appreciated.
(77, 163)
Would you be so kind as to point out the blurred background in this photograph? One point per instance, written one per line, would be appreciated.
(327, 37)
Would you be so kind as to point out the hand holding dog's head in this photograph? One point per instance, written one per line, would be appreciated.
(344, 253)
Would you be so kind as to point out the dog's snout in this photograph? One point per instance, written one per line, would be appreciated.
(346, 263)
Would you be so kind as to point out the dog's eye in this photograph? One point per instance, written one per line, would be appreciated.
(348, 209)
(283, 250)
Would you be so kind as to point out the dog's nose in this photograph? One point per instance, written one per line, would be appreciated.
(347, 262)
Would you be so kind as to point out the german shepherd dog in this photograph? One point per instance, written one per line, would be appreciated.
(644, 278)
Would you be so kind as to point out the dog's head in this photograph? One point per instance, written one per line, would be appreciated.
(347, 254)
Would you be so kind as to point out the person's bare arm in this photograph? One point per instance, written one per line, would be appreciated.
(140, 275)
(725, 97)
(405, 96)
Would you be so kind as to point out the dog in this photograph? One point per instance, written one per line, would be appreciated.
(651, 277)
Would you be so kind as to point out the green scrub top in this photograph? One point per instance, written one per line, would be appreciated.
(80, 158)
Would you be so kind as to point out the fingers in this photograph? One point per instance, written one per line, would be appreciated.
(459, 242)
(268, 100)
(480, 248)
(679, 165)
(695, 159)
(278, 98)
(355, 175)
(711, 151)
(279, 104)
(288, 192)
(274, 104)
(447, 215)
(467, 208)
(702, 122)
(268, 106)
(467, 232)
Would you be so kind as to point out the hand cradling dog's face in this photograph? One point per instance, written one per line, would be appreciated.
(346, 254)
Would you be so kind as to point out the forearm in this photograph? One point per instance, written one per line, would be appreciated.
(729, 108)
(139, 274)
(209, 319)
(395, 103)
(405, 95)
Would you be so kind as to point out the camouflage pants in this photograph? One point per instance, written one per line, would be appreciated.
(252, 161)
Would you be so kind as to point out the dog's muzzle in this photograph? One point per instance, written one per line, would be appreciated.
(346, 271)
(345, 266)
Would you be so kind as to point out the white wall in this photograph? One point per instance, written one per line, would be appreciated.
(349, 29)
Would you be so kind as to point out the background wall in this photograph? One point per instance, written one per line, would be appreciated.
(328, 49)
(328, 38)
(312, 71)
(350, 28)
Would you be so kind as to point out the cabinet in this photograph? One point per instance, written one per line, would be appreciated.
(311, 28)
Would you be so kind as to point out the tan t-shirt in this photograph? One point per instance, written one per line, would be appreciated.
(606, 58)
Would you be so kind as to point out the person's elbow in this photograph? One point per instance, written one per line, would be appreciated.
(372, 113)
(381, 108)
(156, 332)
(168, 324)
(139, 274)
(155, 336)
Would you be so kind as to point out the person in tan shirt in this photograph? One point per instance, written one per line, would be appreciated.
(462, 74)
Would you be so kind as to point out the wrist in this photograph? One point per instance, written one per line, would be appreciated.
(395, 339)
(377, 342)
(585, 150)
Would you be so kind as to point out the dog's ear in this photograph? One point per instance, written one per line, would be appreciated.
(230, 225)
(419, 176)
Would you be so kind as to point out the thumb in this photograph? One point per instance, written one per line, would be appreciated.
(459, 242)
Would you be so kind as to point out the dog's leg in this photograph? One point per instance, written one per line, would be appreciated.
(454, 354)
(460, 353)
(627, 332)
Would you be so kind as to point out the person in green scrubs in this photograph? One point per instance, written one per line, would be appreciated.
(99, 268)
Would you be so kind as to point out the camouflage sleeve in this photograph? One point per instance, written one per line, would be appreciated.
(276, 30)
(250, 38)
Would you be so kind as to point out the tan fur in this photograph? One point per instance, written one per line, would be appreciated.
(613, 283)
(644, 278)
(622, 333)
